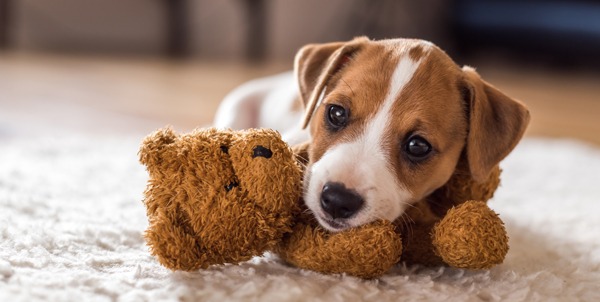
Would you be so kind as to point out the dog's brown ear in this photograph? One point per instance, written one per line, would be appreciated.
(315, 64)
(496, 124)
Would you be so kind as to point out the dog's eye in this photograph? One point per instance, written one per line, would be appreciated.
(337, 116)
(417, 148)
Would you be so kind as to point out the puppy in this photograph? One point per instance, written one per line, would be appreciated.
(386, 121)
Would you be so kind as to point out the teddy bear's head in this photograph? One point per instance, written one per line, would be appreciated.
(218, 196)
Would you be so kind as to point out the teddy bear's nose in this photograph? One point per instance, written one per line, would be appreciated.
(260, 151)
(339, 201)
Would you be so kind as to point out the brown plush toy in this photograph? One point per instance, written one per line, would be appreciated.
(218, 197)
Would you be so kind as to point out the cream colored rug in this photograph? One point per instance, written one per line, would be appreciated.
(71, 223)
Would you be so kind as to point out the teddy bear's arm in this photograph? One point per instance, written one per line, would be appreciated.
(367, 251)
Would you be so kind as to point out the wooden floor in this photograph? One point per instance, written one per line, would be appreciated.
(135, 95)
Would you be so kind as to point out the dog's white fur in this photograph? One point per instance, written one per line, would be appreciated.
(264, 103)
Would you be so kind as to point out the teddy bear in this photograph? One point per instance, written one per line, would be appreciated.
(223, 196)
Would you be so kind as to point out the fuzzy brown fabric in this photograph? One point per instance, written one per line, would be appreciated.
(429, 217)
(367, 251)
(471, 236)
(218, 197)
(461, 187)
(194, 219)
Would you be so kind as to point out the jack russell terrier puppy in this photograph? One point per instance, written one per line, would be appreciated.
(386, 124)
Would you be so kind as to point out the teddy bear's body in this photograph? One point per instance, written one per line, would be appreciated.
(219, 197)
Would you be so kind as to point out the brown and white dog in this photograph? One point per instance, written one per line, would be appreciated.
(387, 122)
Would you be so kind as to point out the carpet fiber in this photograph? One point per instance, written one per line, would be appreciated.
(71, 224)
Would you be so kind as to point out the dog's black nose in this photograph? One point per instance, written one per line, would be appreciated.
(339, 201)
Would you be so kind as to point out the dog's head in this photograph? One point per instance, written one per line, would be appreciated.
(389, 120)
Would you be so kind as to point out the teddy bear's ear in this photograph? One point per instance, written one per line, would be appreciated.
(155, 144)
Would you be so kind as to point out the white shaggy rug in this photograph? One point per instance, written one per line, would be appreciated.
(71, 223)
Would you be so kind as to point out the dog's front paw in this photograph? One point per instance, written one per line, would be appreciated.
(471, 236)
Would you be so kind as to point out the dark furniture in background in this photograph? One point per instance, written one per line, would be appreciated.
(175, 13)
(176, 39)
(177, 23)
(560, 32)
(4, 23)
(565, 32)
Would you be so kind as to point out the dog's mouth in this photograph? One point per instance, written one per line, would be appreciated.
(333, 225)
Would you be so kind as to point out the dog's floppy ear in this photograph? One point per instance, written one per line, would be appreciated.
(496, 124)
(315, 64)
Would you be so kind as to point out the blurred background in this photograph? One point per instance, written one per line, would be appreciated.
(110, 67)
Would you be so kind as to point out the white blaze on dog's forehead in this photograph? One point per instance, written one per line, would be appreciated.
(394, 191)
(403, 72)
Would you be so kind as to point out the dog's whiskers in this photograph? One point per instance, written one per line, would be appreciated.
(407, 223)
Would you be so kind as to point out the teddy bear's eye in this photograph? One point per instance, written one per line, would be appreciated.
(225, 149)
(260, 151)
